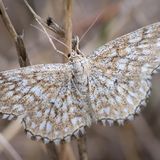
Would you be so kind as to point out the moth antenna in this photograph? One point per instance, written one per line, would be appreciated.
(50, 40)
(90, 26)
(37, 18)
(75, 43)
(50, 36)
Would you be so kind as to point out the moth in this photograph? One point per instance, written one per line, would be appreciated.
(57, 101)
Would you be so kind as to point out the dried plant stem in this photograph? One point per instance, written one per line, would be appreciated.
(82, 148)
(9, 148)
(8, 133)
(50, 40)
(51, 148)
(66, 152)
(149, 142)
(68, 24)
(52, 151)
(54, 27)
(18, 39)
(68, 42)
(11, 131)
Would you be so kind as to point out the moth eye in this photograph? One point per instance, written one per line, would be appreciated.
(69, 55)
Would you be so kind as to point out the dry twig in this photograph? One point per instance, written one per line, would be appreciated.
(23, 61)
(82, 148)
(10, 131)
(66, 152)
(52, 151)
(18, 39)
(68, 24)
(149, 141)
(53, 27)
(68, 39)
(9, 148)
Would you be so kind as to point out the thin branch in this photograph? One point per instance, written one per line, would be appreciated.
(68, 24)
(7, 21)
(52, 151)
(22, 56)
(91, 25)
(50, 40)
(66, 152)
(54, 27)
(43, 25)
(68, 40)
(149, 141)
(9, 148)
(21, 51)
(50, 36)
(82, 148)
(11, 131)
(23, 61)
(51, 148)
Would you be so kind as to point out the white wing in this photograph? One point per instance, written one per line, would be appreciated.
(121, 73)
(45, 97)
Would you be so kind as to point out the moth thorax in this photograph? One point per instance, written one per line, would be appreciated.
(80, 77)
(78, 68)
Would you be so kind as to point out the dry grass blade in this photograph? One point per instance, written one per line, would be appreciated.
(10, 132)
(149, 141)
(68, 24)
(66, 152)
(68, 39)
(21, 51)
(23, 61)
(51, 149)
(50, 40)
(9, 148)
(54, 27)
(82, 148)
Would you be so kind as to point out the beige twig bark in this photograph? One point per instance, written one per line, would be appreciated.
(82, 148)
(69, 41)
(7, 135)
(9, 149)
(66, 152)
(68, 24)
(18, 39)
(53, 25)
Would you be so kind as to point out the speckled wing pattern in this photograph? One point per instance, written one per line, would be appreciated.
(51, 105)
(43, 95)
(121, 73)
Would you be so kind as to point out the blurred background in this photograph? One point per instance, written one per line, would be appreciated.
(136, 140)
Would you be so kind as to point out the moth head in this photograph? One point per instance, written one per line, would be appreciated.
(75, 55)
